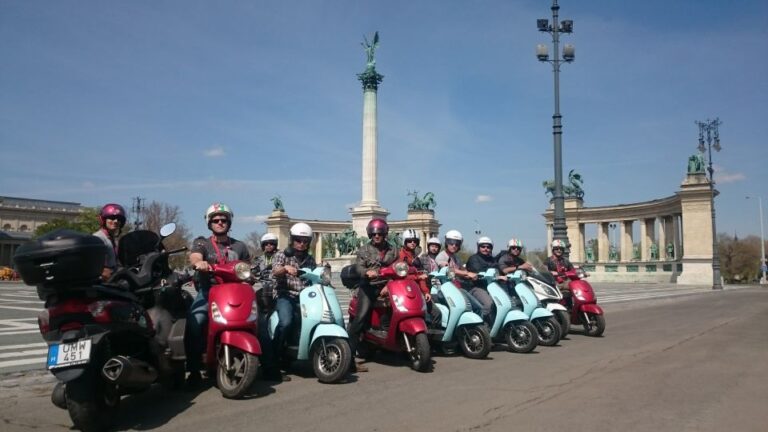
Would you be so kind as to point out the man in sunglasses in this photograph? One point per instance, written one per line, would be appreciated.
(264, 263)
(449, 258)
(285, 269)
(481, 261)
(370, 258)
(559, 264)
(511, 260)
(219, 248)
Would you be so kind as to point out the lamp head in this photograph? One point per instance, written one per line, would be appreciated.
(542, 52)
(542, 24)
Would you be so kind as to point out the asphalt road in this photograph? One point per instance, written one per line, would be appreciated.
(692, 362)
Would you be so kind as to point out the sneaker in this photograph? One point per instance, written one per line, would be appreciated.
(194, 380)
(358, 366)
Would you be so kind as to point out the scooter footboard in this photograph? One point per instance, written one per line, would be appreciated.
(515, 315)
(412, 326)
(556, 306)
(321, 331)
(540, 313)
(243, 340)
(592, 308)
(469, 318)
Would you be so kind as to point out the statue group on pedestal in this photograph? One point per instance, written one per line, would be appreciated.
(696, 164)
(572, 190)
(427, 202)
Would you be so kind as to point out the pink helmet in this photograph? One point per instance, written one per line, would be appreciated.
(112, 209)
(377, 226)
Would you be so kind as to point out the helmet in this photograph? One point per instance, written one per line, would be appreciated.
(377, 225)
(301, 230)
(434, 240)
(485, 240)
(218, 209)
(410, 234)
(268, 238)
(453, 235)
(515, 242)
(558, 243)
(112, 209)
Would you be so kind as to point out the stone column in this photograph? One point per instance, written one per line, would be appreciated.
(676, 230)
(369, 207)
(549, 239)
(663, 237)
(603, 242)
(625, 233)
(648, 238)
(318, 247)
(576, 237)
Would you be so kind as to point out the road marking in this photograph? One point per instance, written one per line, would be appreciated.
(17, 332)
(24, 353)
(21, 294)
(21, 308)
(20, 362)
(32, 345)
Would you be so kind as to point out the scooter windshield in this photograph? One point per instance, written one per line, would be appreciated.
(135, 244)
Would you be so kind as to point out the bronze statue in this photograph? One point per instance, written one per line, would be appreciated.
(278, 203)
(654, 252)
(613, 255)
(427, 202)
(370, 50)
(590, 252)
(348, 242)
(573, 190)
(636, 253)
(696, 164)
(670, 251)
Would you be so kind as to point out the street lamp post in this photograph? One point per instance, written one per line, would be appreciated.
(709, 132)
(559, 229)
(763, 269)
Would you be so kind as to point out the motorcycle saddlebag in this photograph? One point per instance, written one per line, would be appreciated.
(61, 259)
(350, 278)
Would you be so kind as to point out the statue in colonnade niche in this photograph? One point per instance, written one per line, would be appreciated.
(636, 253)
(277, 202)
(329, 245)
(670, 251)
(427, 202)
(654, 251)
(590, 253)
(613, 254)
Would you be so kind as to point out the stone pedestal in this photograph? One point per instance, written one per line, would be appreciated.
(696, 201)
(279, 224)
(362, 215)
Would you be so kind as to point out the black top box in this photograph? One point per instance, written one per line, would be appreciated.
(61, 258)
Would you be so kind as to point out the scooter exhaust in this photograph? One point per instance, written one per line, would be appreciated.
(128, 372)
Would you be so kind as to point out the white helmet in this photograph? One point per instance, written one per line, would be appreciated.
(434, 240)
(454, 235)
(268, 237)
(558, 243)
(513, 242)
(410, 234)
(485, 240)
(218, 209)
(301, 230)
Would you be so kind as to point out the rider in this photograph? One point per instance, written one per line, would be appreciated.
(408, 255)
(370, 258)
(480, 262)
(219, 248)
(111, 222)
(264, 264)
(559, 264)
(285, 270)
(428, 258)
(510, 261)
(453, 240)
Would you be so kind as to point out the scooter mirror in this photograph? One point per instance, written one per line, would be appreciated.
(167, 229)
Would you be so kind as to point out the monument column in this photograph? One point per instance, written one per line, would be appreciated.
(696, 202)
(603, 242)
(663, 237)
(625, 233)
(369, 207)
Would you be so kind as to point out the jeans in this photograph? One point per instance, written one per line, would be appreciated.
(366, 296)
(194, 339)
(484, 299)
(284, 306)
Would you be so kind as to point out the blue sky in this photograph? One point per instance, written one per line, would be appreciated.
(190, 102)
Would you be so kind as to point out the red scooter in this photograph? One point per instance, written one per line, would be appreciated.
(397, 320)
(232, 347)
(584, 308)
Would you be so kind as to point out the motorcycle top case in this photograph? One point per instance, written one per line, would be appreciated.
(61, 258)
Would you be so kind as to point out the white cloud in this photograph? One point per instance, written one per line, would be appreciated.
(483, 198)
(89, 185)
(722, 176)
(251, 219)
(214, 152)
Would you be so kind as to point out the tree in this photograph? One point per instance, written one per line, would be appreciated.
(739, 258)
(157, 214)
(253, 241)
(86, 222)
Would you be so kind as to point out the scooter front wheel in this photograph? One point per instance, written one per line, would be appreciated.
(564, 320)
(595, 326)
(521, 337)
(234, 382)
(420, 353)
(330, 359)
(474, 341)
(549, 331)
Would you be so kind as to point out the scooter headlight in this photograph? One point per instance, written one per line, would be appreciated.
(581, 273)
(216, 314)
(401, 269)
(243, 271)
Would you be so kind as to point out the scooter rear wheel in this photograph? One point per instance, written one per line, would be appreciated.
(330, 359)
(596, 325)
(91, 402)
(521, 337)
(474, 341)
(549, 331)
(564, 320)
(236, 381)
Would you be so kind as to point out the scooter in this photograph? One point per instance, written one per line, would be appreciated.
(545, 288)
(547, 327)
(102, 343)
(584, 308)
(321, 334)
(459, 324)
(232, 345)
(509, 324)
(397, 321)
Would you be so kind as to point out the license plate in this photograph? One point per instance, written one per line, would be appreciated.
(69, 354)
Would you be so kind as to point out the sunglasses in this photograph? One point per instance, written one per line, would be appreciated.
(302, 240)
(412, 241)
(516, 248)
(485, 246)
(378, 235)
(270, 244)
(112, 217)
(558, 249)
(453, 243)
(220, 221)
